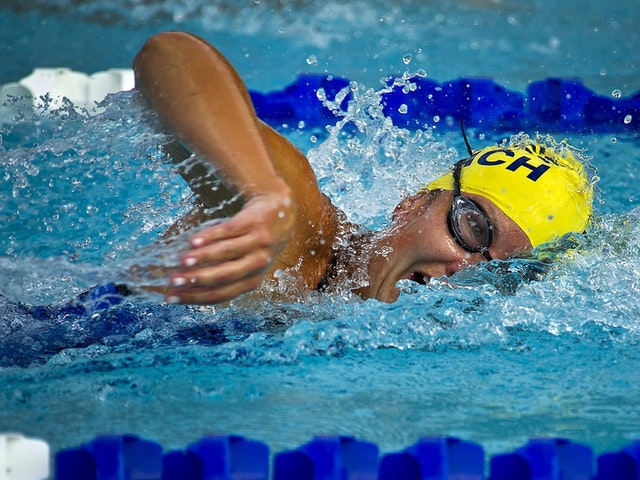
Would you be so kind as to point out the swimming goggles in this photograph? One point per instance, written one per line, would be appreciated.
(468, 223)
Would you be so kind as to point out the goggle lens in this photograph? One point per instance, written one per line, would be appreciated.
(470, 226)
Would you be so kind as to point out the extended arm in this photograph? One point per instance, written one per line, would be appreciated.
(200, 98)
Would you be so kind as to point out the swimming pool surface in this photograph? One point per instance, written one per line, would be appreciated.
(490, 356)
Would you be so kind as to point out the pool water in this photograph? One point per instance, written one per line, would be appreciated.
(497, 354)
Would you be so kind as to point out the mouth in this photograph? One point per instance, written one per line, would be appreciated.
(419, 277)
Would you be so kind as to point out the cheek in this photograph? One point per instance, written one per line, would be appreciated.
(421, 228)
(431, 233)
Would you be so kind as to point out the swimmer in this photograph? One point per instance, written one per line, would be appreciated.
(499, 202)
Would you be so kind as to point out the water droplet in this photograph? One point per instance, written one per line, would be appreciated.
(407, 59)
(616, 93)
(628, 119)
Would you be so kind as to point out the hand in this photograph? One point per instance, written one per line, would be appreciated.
(232, 257)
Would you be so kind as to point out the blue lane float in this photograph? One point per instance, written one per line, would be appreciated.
(329, 458)
(436, 458)
(553, 459)
(318, 100)
(553, 104)
(232, 457)
(111, 457)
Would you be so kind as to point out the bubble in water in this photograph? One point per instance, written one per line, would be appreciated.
(312, 60)
(403, 108)
(616, 93)
(614, 139)
(407, 59)
(628, 119)
(603, 72)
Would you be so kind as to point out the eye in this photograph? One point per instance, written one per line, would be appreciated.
(477, 226)
(474, 229)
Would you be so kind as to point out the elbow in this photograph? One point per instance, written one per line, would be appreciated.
(156, 52)
(148, 55)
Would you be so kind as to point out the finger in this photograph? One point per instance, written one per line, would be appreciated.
(224, 273)
(220, 231)
(223, 250)
(240, 224)
(213, 295)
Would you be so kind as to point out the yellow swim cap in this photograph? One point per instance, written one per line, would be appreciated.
(547, 195)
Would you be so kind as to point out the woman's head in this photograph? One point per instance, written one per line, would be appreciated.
(498, 202)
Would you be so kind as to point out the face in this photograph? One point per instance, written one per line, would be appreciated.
(420, 245)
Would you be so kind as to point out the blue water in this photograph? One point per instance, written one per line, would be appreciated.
(491, 356)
